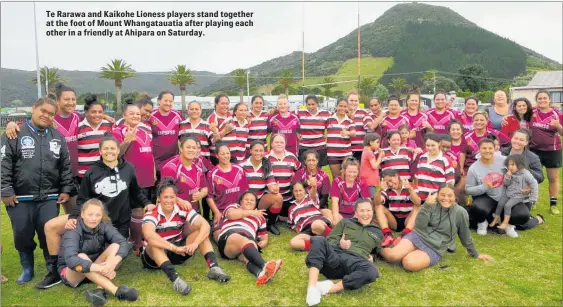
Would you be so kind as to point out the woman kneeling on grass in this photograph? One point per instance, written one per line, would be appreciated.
(93, 250)
(167, 242)
(336, 257)
(243, 234)
(437, 223)
(306, 218)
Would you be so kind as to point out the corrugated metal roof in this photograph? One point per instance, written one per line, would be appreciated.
(547, 78)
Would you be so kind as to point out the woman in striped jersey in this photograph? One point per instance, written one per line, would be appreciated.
(258, 130)
(376, 115)
(164, 123)
(195, 126)
(237, 136)
(261, 181)
(243, 234)
(440, 116)
(313, 125)
(284, 166)
(313, 175)
(217, 121)
(360, 121)
(458, 148)
(339, 130)
(433, 169)
(306, 217)
(397, 157)
(346, 189)
(418, 121)
(393, 120)
(90, 132)
(481, 131)
(287, 124)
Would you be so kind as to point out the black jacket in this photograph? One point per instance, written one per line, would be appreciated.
(35, 165)
(116, 188)
(533, 162)
(91, 242)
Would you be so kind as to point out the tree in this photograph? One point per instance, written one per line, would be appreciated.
(338, 93)
(444, 83)
(367, 86)
(315, 91)
(286, 79)
(278, 90)
(472, 77)
(381, 92)
(399, 84)
(53, 77)
(182, 76)
(429, 75)
(328, 85)
(239, 77)
(117, 70)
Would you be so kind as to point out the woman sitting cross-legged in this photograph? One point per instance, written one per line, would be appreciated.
(336, 257)
(306, 218)
(172, 235)
(436, 224)
(243, 234)
(93, 250)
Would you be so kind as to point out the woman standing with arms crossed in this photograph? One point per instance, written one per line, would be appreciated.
(339, 129)
(287, 124)
(164, 123)
(313, 125)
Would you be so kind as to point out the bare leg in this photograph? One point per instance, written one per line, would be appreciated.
(54, 229)
(416, 260)
(398, 252)
(298, 242)
(335, 170)
(385, 218)
(327, 213)
(553, 177)
(70, 203)
(411, 219)
(318, 227)
(270, 200)
(505, 221)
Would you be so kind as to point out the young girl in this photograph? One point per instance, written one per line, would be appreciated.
(516, 179)
(406, 141)
(369, 167)
(93, 250)
(346, 189)
(306, 218)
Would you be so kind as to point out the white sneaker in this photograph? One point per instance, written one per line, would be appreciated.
(511, 232)
(482, 228)
(313, 296)
(324, 286)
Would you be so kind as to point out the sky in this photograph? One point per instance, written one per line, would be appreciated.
(277, 31)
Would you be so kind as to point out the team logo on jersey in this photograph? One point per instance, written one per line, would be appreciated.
(154, 122)
(55, 147)
(27, 142)
(54, 125)
(110, 186)
(534, 115)
(182, 179)
(219, 181)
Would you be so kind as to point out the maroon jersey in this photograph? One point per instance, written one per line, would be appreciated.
(165, 135)
(139, 154)
(440, 121)
(544, 136)
(415, 124)
(323, 182)
(347, 196)
(287, 126)
(189, 180)
(68, 127)
(389, 124)
(226, 187)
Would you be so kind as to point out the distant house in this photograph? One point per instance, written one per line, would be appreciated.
(551, 81)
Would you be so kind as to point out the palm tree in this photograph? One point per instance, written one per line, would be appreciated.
(182, 76)
(53, 78)
(117, 70)
(398, 84)
(367, 86)
(239, 76)
(286, 79)
(428, 75)
(328, 85)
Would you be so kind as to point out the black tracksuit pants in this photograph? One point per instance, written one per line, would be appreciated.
(28, 218)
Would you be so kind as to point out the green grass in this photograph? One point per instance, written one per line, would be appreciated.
(527, 271)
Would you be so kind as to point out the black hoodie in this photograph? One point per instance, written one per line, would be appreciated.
(116, 188)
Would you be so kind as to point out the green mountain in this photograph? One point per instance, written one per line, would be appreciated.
(16, 84)
(418, 37)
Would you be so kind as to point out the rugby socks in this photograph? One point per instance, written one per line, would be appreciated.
(307, 245)
(553, 201)
(273, 215)
(211, 259)
(253, 269)
(136, 227)
(387, 231)
(327, 231)
(253, 255)
(168, 268)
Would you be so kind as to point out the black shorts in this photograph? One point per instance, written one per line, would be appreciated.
(309, 231)
(400, 222)
(223, 242)
(323, 160)
(357, 155)
(175, 259)
(550, 159)
(335, 161)
(150, 194)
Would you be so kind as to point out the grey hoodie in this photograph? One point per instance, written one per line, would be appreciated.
(477, 172)
(518, 181)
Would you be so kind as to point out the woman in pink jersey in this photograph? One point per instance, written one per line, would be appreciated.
(284, 166)
(217, 121)
(397, 157)
(313, 125)
(189, 177)
(393, 120)
(243, 235)
(361, 123)
(547, 128)
(225, 182)
(440, 116)
(196, 127)
(258, 130)
(306, 218)
(458, 149)
(520, 118)
(481, 131)
(346, 189)
(339, 130)
(286, 124)
(418, 121)
(237, 137)
(165, 123)
(145, 105)
(466, 117)
(313, 175)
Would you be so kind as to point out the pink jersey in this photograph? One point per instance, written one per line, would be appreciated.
(347, 196)
(165, 135)
(544, 136)
(440, 121)
(189, 180)
(415, 123)
(467, 122)
(68, 127)
(389, 124)
(410, 143)
(323, 182)
(472, 143)
(237, 138)
(139, 153)
(199, 131)
(226, 187)
(313, 128)
(338, 146)
(287, 126)
(258, 130)
(284, 170)
(360, 120)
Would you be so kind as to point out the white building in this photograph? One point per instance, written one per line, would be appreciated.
(551, 81)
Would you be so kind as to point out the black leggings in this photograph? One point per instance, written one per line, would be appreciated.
(483, 207)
